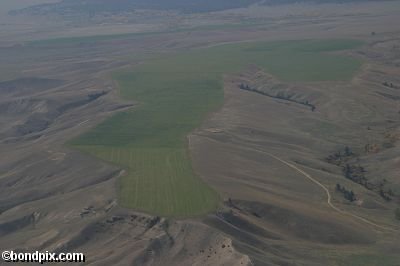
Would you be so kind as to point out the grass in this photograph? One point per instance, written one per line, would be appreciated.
(175, 93)
(88, 39)
(9, 73)
(370, 260)
(122, 36)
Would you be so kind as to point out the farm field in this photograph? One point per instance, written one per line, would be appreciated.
(371, 260)
(174, 94)
(260, 135)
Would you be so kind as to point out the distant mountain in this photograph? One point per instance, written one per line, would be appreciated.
(186, 6)
(183, 5)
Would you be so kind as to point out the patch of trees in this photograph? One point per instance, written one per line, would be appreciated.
(389, 85)
(94, 96)
(280, 95)
(87, 211)
(389, 96)
(89, 98)
(341, 156)
(348, 194)
(371, 147)
(385, 195)
(114, 219)
(397, 214)
(152, 222)
(356, 173)
(231, 204)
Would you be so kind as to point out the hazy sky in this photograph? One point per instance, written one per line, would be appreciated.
(7, 5)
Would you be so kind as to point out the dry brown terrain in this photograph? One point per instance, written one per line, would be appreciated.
(267, 157)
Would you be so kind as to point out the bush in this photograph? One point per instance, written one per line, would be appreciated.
(397, 213)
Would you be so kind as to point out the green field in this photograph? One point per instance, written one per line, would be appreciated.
(175, 93)
(370, 260)
(123, 36)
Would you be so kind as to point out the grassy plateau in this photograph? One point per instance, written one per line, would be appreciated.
(174, 94)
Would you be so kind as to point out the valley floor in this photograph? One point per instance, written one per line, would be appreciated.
(292, 161)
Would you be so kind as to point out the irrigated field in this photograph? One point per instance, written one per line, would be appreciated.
(175, 93)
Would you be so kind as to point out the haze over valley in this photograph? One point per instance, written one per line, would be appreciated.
(220, 132)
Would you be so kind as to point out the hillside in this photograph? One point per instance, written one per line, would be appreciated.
(186, 6)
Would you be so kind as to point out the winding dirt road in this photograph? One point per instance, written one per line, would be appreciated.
(329, 197)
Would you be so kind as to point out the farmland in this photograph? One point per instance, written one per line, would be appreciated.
(261, 135)
(174, 93)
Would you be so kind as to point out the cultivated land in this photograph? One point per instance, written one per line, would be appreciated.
(174, 94)
(268, 150)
